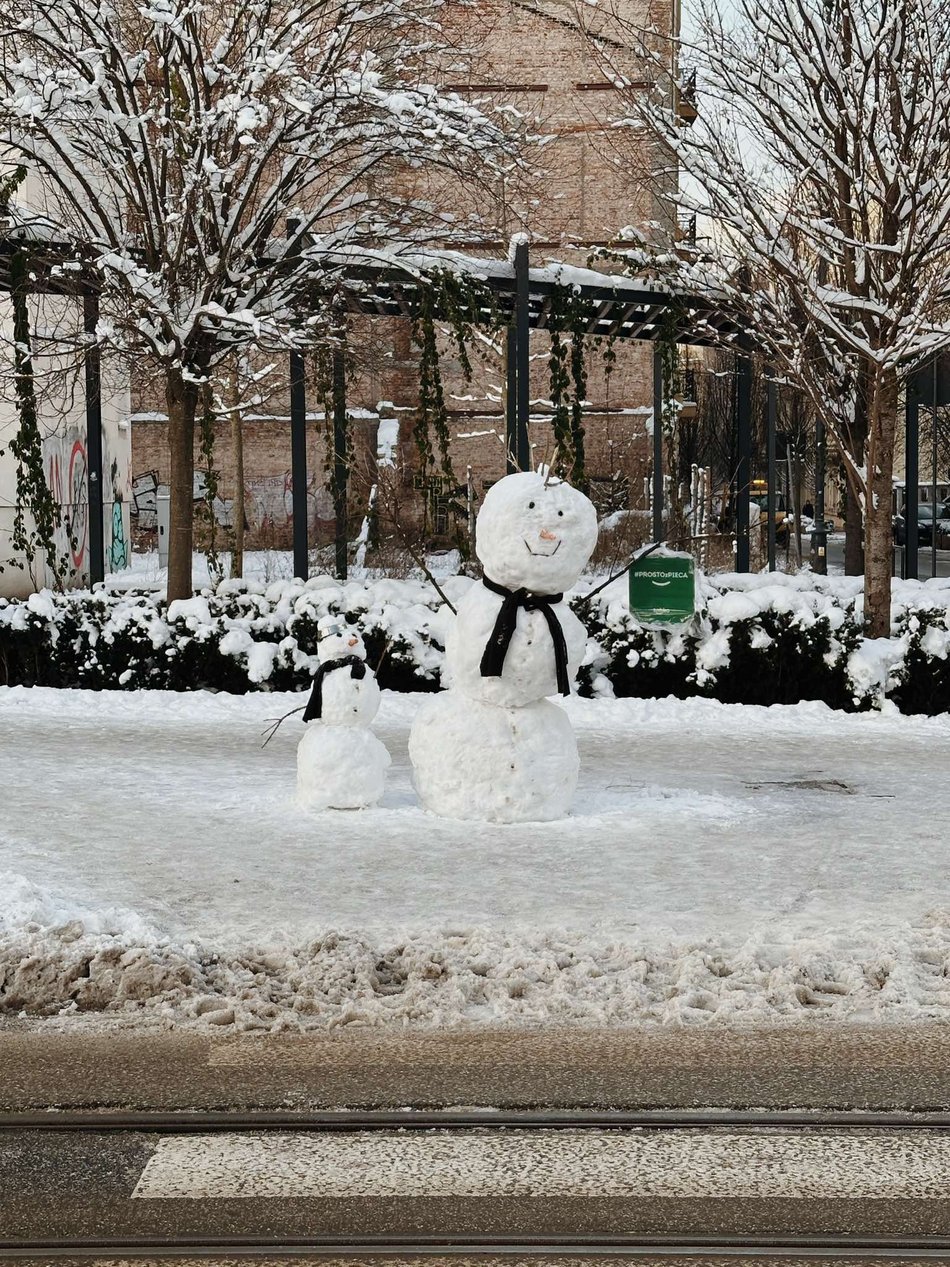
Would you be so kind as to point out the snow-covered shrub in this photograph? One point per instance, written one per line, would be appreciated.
(236, 638)
(757, 640)
(922, 678)
(777, 639)
(637, 661)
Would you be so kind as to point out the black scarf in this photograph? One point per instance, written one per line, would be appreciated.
(357, 669)
(493, 661)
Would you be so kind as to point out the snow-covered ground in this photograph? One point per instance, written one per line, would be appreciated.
(262, 566)
(722, 863)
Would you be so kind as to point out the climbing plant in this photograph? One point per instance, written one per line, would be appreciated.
(331, 393)
(568, 323)
(38, 515)
(206, 510)
(671, 370)
(461, 303)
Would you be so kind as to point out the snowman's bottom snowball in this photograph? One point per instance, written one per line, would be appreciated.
(340, 767)
(505, 765)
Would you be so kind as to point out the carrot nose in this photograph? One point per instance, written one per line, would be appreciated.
(352, 642)
(548, 536)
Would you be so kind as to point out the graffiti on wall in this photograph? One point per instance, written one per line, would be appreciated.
(68, 474)
(268, 504)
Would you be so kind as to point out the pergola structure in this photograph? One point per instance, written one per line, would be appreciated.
(522, 296)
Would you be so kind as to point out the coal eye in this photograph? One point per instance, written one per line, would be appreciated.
(561, 514)
(531, 505)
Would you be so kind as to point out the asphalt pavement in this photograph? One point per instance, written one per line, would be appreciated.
(800, 1065)
(924, 559)
(475, 1186)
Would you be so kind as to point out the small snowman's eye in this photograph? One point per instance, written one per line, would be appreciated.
(531, 505)
(560, 514)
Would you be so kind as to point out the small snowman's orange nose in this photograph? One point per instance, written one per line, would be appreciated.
(547, 536)
(352, 642)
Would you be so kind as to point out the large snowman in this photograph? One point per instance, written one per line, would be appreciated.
(340, 762)
(493, 746)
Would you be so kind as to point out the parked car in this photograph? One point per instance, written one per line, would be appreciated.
(925, 525)
(759, 496)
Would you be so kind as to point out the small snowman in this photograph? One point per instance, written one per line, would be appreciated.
(340, 762)
(493, 746)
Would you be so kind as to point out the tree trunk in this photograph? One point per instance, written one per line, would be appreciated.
(795, 480)
(181, 399)
(854, 519)
(854, 534)
(237, 510)
(878, 549)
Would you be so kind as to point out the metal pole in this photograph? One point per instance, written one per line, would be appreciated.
(92, 359)
(523, 345)
(819, 537)
(771, 416)
(511, 399)
(298, 464)
(911, 478)
(744, 465)
(933, 470)
(657, 444)
(340, 472)
(298, 451)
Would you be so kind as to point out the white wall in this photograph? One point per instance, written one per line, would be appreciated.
(58, 367)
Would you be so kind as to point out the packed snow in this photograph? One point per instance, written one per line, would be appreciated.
(492, 746)
(721, 864)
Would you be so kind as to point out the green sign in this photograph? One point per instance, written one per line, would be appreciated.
(663, 589)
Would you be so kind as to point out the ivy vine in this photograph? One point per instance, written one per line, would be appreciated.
(206, 438)
(331, 392)
(668, 326)
(38, 514)
(568, 323)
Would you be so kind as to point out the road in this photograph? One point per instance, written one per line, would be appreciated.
(924, 559)
(861, 1066)
(726, 1181)
(472, 1186)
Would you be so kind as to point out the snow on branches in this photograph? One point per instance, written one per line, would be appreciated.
(820, 165)
(216, 164)
(177, 139)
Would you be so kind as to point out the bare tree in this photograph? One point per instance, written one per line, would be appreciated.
(820, 157)
(216, 163)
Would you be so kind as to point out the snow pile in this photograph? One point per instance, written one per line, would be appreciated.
(479, 975)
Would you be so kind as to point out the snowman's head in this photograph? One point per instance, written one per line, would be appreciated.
(338, 639)
(535, 533)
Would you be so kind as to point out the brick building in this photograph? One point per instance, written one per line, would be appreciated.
(578, 193)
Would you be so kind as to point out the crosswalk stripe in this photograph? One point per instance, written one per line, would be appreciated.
(684, 1163)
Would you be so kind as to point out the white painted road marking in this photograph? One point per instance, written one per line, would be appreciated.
(682, 1163)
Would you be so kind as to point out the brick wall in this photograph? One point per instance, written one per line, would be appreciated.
(577, 190)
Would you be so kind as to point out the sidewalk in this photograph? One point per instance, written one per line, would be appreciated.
(793, 1066)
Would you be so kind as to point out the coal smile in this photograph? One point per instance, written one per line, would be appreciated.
(542, 554)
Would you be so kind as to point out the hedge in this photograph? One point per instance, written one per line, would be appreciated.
(756, 640)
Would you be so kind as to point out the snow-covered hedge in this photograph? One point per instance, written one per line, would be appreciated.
(240, 637)
(779, 639)
(758, 640)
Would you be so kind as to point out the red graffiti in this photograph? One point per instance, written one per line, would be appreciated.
(78, 525)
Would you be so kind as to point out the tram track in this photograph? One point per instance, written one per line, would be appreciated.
(464, 1243)
(185, 1121)
(699, 1248)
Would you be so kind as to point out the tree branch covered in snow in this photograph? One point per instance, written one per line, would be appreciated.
(217, 164)
(819, 161)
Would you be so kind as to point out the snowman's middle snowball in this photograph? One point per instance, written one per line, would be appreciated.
(505, 765)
